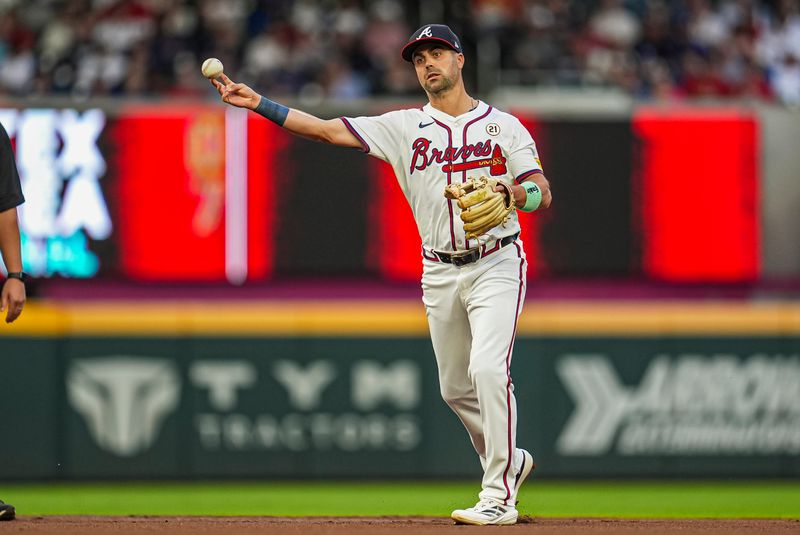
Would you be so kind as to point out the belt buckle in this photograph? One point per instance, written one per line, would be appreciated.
(466, 257)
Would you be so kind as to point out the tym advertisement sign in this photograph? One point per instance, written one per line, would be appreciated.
(262, 407)
(125, 400)
(370, 407)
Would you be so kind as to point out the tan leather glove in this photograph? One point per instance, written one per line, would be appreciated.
(482, 208)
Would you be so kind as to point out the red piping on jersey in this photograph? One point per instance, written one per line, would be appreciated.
(464, 138)
(526, 174)
(464, 156)
(508, 374)
(449, 173)
(426, 257)
(486, 252)
(353, 131)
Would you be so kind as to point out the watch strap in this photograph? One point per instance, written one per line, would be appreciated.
(20, 275)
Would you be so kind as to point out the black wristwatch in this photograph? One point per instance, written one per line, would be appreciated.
(20, 275)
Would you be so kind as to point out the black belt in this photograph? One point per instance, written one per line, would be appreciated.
(463, 258)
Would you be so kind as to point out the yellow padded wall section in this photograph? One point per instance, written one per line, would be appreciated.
(394, 318)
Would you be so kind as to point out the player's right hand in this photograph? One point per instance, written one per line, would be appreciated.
(239, 95)
(12, 299)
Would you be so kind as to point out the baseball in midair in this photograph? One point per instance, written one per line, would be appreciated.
(212, 68)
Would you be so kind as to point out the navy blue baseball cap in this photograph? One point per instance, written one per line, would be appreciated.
(438, 33)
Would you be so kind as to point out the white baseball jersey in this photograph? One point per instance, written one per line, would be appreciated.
(429, 149)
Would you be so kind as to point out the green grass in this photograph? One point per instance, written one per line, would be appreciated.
(546, 498)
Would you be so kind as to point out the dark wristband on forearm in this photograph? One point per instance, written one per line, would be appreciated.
(19, 275)
(272, 110)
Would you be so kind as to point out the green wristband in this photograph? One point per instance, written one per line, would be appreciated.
(533, 197)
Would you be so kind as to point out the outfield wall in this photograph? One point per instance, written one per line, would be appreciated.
(349, 389)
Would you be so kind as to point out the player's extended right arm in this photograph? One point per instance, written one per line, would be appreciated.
(331, 131)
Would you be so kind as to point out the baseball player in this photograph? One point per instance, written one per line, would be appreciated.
(473, 272)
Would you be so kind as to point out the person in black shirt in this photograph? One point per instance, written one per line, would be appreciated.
(12, 297)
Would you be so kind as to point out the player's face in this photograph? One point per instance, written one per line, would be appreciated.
(438, 69)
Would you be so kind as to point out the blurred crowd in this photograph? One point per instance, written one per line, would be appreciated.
(348, 49)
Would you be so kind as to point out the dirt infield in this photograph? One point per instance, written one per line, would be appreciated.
(66, 525)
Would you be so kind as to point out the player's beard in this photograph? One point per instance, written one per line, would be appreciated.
(440, 86)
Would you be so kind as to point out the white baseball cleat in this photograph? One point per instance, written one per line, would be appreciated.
(487, 512)
(524, 471)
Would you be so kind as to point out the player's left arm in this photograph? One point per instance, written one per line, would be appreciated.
(521, 195)
(526, 168)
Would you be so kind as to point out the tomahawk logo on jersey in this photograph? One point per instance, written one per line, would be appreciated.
(429, 149)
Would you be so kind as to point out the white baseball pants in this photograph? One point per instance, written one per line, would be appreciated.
(472, 314)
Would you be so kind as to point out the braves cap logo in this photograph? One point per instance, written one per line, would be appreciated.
(425, 33)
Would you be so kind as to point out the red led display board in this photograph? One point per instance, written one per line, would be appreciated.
(395, 248)
(209, 193)
(698, 205)
(194, 194)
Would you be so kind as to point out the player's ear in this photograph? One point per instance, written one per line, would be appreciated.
(460, 60)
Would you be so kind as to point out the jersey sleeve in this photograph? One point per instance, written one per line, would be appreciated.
(524, 158)
(380, 136)
(10, 188)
